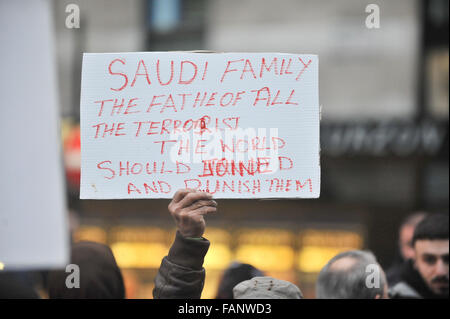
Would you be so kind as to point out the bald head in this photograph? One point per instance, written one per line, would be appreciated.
(346, 277)
(343, 264)
(406, 233)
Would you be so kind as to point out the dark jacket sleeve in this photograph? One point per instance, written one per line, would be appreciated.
(181, 274)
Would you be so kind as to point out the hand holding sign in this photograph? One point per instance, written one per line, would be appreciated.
(188, 207)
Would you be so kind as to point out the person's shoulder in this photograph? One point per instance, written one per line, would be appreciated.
(403, 290)
(394, 273)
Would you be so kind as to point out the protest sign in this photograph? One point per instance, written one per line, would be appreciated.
(237, 125)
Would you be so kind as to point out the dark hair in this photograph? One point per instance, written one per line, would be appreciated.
(349, 283)
(413, 219)
(100, 277)
(233, 275)
(432, 227)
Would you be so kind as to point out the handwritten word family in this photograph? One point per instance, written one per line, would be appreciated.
(187, 72)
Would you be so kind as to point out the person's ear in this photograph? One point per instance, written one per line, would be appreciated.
(415, 261)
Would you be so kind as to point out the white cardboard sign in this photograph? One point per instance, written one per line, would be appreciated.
(237, 125)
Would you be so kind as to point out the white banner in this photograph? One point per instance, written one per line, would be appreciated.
(237, 125)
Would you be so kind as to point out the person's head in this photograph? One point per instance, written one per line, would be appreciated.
(234, 274)
(99, 275)
(266, 288)
(353, 274)
(431, 246)
(405, 234)
(17, 285)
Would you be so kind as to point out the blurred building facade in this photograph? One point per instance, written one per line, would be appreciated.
(384, 130)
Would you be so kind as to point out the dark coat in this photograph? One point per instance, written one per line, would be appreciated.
(181, 274)
(408, 276)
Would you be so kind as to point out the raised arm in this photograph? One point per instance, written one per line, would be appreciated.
(181, 274)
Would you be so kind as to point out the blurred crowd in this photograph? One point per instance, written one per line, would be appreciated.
(421, 271)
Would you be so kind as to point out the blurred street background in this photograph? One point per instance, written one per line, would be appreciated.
(384, 130)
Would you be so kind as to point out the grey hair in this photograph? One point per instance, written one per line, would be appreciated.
(349, 283)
